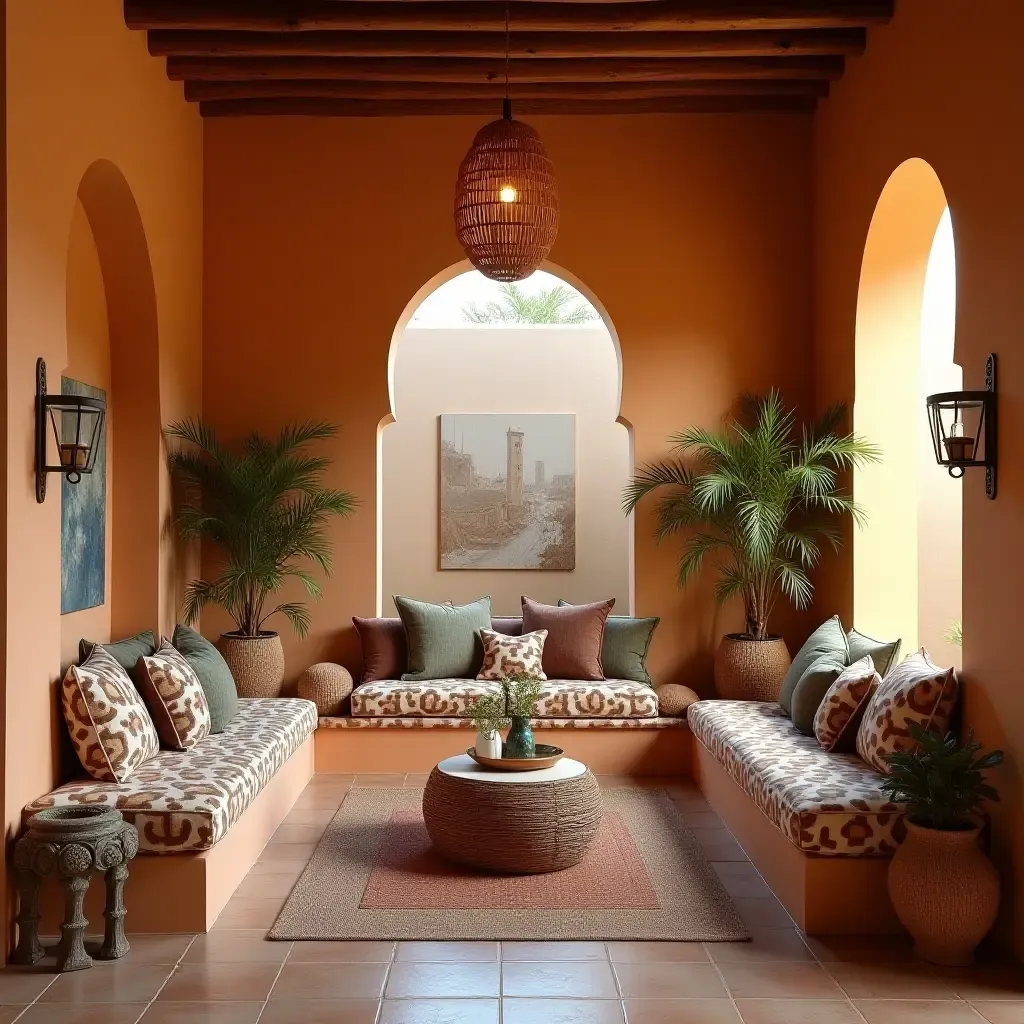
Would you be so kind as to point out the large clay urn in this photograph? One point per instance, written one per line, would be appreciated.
(945, 891)
(748, 669)
(256, 663)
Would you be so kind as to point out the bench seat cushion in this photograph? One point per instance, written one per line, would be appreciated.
(186, 800)
(829, 804)
(449, 698)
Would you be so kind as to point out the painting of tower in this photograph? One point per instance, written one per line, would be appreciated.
(514, 468)
(539, 475)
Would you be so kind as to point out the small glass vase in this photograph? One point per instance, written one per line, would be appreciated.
(519, 741)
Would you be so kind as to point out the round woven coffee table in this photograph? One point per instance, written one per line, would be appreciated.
(518, 823)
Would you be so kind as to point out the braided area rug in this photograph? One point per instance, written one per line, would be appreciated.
(374, 875)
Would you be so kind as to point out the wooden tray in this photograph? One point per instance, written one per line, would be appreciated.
(546, 757)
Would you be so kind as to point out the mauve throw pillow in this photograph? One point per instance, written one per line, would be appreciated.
(575, 637)
(384, 651)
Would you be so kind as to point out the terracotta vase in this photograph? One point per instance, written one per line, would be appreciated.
(945, 891)
(256, 663)
(748, 669)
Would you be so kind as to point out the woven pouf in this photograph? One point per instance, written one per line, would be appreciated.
(512, 826)
(674, 699)
(327, 686)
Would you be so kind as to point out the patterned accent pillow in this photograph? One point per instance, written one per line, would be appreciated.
(504, 655)
(839, 715)
(175, 697)
(109, 725)
(916, 690)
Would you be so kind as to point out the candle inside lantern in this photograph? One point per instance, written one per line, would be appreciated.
(958, 447)
(74, 456)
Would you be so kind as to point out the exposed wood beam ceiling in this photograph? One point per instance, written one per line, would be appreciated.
(396, 57)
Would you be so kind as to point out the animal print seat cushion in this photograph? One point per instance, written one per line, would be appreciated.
(183, 801)
(449, 698)
(828, 804)
(109, 724)
(839, 714)
(175, 697)
(505, 655)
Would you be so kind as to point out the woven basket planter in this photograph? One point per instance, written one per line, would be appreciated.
(750, 669)
(256, 663)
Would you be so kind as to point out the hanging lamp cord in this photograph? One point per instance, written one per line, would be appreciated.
(506, 104)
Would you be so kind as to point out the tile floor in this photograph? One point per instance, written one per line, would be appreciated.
(233, 976)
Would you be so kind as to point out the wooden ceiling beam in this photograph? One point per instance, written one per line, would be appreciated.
(469, 69)
(824, 42)
(483, 15)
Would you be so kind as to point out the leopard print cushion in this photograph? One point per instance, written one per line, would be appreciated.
(450, 698)
(505, 655)
(828, 804)
(183, 801)
(107, 720)
(175, 698)
(840, 712)
(915, 691)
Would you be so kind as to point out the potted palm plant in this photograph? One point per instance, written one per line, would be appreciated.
(265, 509)
(758, 499)
(943, 887)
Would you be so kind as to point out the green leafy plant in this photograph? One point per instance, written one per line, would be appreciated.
(941, 781)
(955, 634)
(265, 509)
(518, 698)
(758, 499)
(547, 306)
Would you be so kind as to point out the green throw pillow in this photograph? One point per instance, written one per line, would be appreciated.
(213, 672)
(443, 639)
(125, 652)
(828, 638)
(624, 649)
(883, 654)
(810, 690)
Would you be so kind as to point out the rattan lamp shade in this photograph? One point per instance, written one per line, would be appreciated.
(508, 238)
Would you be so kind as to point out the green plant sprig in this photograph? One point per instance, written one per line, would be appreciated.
(518, 698)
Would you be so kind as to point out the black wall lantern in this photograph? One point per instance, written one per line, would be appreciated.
(77, 424)
(963, 428)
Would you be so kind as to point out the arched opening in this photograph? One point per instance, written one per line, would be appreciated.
(112, 345)
(505, 438)
(907, 562)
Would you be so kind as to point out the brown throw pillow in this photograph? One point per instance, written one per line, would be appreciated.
(384, 652)
(838, 716)
(572, 649)
(174, 696)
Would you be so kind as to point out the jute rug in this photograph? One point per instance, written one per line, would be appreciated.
(374, 875)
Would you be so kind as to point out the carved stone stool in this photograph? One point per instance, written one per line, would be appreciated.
(71, 843)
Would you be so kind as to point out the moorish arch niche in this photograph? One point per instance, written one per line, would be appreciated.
(513, 398)
(908, 559)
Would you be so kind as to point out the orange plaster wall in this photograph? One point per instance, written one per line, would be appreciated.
(943, 84)
(81, 88)
(693, 231)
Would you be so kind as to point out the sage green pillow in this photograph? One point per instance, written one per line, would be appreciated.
(883, 654)
(125, 652)
(443, 639)
(828, 638)
(811, 688)
(624, 649)
(213, 672)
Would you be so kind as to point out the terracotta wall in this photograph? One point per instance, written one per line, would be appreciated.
(90, 112)
(943, 84)
(693, 231)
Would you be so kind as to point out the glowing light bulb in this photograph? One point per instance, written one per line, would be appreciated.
(508, 194)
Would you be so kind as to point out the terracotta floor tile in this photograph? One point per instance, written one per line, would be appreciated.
(748, 885)
(310, 816)
(762, 913)
(719, 845)
(797, 1011)
(888, 981)
(703, 819)
(87, 1013)
(20, 985)
(779, 981)
(329, 981)
(214, 982)
(416, 781)
(656, 952)
(278, 865)
(121, 982)
(341, 952)
(681, 1011)
(379, 780)
(447, 952)
(249, 912)
(443, 981)
(1001, 1011)
(669, 981)
(544, 951)
(990, 982)
(861, 948)
(615, 781)
(915, 1011)
(321, 1011)
(203, 1013)
(320, 801)
(268, 886)
(297, 834)
(766, 944)
(287, 851)
(8, 1013)
(565, 979)
(439, 1011)
(561, 1011)
(232, 947)
(158, 949)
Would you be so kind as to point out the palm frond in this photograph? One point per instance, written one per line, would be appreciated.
(670, 473)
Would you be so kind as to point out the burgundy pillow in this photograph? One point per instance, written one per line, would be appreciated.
(575, 635)
(384, 651)
(508, 625)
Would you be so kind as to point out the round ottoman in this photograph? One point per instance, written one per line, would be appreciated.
(327, 686)
(518, 823)
(674, 699)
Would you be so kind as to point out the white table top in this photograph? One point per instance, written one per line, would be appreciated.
(464, 767)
